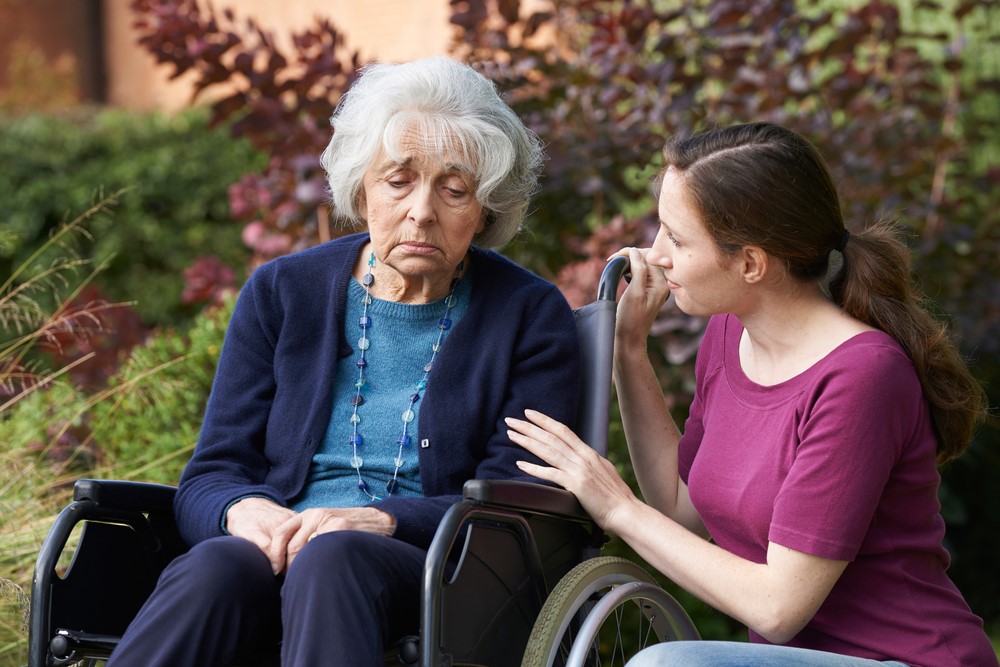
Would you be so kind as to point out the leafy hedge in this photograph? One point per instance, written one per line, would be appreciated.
(144, 424)
(176, 171)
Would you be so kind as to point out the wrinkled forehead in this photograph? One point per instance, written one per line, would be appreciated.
(415, 137)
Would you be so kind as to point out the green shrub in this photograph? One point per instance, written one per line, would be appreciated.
(147, 425)
(176, 171)
(143, 426)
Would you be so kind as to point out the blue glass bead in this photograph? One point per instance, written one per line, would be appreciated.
(367, 280)
(392, 487)
(444, 324)
(355, 440)
(357, 400)
(362, 363)
(363, 485)
(403, 441)
(371, 259)
(414, 398)
(422, 385)
(365, 321)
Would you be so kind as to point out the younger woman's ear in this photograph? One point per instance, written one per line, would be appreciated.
(754, 263)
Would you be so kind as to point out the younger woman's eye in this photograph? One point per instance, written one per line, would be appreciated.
(672, 239)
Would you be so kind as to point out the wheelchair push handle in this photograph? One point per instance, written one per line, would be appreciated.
(616, 269)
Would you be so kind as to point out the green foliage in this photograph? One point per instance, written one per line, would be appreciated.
(143, 426)
(40, 308)
(176, 171)
(148, 424)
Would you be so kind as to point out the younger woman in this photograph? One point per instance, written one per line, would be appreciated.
(810, 455)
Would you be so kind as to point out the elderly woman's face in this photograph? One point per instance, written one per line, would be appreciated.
(422, 213)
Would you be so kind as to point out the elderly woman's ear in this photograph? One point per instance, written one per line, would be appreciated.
(362, 205)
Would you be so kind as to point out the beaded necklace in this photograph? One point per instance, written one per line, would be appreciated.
(404, 440)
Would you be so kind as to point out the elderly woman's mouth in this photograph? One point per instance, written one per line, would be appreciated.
(418, 247)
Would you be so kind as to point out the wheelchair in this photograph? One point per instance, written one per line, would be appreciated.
(513, 576)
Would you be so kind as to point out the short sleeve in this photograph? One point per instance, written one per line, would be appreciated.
(854, 426)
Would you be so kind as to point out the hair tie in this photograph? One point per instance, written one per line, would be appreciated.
(843, 241)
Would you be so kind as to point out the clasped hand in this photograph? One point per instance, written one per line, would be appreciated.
(281, 532)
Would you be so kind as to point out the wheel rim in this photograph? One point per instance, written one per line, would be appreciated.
(604, 611)
(627, 619)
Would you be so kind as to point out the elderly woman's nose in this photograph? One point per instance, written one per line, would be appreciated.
(421, 205)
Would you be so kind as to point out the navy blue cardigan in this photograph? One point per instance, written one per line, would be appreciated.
(270, 405)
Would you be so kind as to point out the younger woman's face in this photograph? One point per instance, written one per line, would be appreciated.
(702, 281)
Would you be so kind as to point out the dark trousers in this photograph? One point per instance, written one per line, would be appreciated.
(347, 595)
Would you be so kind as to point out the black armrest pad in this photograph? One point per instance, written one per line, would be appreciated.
(525, 495)
(141, 496)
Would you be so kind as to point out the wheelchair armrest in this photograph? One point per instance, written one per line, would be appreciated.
(140, 496)
(526, 495)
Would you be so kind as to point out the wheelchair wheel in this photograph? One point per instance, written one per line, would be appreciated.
(602, 613)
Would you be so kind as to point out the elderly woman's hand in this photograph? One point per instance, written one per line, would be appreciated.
(574, 466)
(263, 522)
(313, 522)
(642, 300)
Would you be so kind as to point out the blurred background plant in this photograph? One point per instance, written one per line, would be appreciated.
(141, 423)
(900, 95)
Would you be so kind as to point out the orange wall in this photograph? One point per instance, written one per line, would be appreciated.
(379, 29)
(57, 35)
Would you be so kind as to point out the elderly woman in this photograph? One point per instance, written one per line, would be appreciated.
(361, 383)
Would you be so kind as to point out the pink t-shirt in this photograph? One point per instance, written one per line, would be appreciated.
(838, 462)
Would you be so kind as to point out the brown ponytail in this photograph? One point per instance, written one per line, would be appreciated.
(874, 286)
(764, 185)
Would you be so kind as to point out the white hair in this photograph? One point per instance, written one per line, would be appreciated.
(456, 109)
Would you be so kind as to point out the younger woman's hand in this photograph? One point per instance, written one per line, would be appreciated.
(642, 300)
(574, 466)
